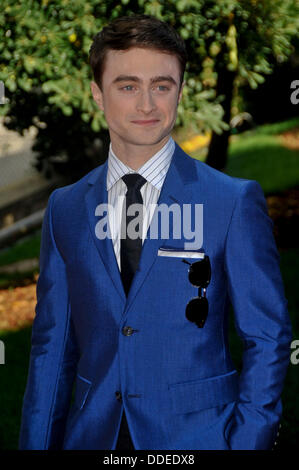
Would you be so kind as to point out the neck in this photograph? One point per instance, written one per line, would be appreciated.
(135, 156)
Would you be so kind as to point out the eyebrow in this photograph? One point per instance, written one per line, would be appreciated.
(133, 78)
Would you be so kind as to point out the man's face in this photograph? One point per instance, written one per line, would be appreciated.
(139, 96)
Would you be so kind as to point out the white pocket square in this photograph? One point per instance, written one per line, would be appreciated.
(180, 253)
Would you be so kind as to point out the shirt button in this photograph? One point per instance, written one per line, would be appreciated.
(127, 331)
(118, 396)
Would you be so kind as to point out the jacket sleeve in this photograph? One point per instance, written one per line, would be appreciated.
(261, 319)
(53, 357)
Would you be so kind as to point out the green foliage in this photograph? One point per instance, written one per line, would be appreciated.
(246, 34)
(44, 49)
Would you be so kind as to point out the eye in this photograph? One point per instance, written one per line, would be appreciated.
(162, 88)
(128, 88)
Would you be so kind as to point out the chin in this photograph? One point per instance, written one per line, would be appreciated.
(147, 141)
(149, 136)
(144, 139)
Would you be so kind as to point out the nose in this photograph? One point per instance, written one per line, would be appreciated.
(146, 102)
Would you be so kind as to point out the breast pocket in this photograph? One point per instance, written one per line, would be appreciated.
(171, 252)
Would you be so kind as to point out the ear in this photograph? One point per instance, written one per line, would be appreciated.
(97, 95)
(181, 92)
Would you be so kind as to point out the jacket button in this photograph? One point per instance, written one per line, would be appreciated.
(118, 396)
(127, 331)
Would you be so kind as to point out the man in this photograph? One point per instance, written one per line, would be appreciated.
(112, 315)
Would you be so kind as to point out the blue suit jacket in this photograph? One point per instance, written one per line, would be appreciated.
(180, 388)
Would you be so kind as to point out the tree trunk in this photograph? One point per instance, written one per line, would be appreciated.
(217, 153)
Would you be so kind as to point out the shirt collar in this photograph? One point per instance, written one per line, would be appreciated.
(154, 170)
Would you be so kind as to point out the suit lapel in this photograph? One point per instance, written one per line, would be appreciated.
(97, 194)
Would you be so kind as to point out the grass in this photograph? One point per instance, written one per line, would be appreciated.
(265, 159)
(260, 154)
(275, 128)
(24, 248)
(12, 385)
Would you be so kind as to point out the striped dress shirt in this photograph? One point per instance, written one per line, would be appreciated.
(154, 171)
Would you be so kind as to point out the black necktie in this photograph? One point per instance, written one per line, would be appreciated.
(130, 248)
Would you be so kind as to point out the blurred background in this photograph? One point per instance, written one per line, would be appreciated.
(239, 114)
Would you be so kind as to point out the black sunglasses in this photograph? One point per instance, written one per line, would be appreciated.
(199, 276)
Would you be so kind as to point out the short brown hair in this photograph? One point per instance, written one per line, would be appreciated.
(135, 31)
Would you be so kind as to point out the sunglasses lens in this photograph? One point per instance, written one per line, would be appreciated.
(200, 273)
(197, 311)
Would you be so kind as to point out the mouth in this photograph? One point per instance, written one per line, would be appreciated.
(142, 122)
